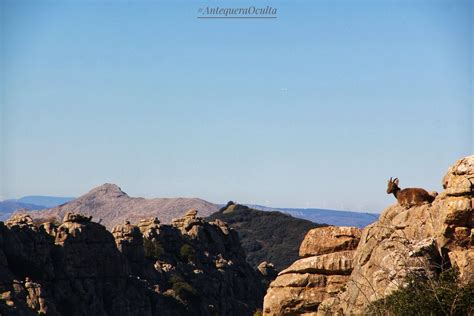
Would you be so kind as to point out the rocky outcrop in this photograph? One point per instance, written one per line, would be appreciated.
(79, 268)
(420, 239)
(322, 272)
(110, 206)
(329, 240)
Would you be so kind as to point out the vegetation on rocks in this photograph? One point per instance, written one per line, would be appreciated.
(187, 253)
(266, 236)
(152, 248)
(443, 295)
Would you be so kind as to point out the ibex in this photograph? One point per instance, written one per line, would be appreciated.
(410, 196)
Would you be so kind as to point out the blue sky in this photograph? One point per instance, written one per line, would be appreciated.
(316, 108)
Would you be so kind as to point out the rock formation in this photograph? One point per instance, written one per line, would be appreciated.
(422, 239)
(191, 267)
(322, 272)
(110, 206)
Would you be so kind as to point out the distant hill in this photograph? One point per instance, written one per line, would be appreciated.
(46, 201)
(331, 217)
(7, 208)
(111, 206)
(33, 202)
(266, 236)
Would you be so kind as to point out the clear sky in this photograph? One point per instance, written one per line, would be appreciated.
(317, 108)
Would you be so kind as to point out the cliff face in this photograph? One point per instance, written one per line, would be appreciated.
(79, 268)
(422, 239)
(322, 272)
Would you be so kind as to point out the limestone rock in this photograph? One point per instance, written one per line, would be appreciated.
(464, 261)
(80, 268)
(329, 239)
(20, 220)
(76, 218)
(413, 240)
(267, 269)
(300, 288)
(332, 263)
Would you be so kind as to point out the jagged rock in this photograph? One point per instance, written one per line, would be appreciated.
(50, 228)
(129, 241)
(329, 239)
(76, 218)
(222, 226)
(79, 268)
(148, 222)
(35, 297)
(418, 239)
(191, 213)
(186, 223)
(268, 273)
(267, 269)
(21, 221)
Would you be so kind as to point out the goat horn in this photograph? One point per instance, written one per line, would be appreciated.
(390, 179)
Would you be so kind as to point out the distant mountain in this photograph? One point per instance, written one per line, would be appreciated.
(32, 202)
(46, 201)
(331, 217)
(109, 205)
(7, 208)
(266, 236)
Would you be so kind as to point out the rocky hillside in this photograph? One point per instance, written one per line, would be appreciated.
(110, 206)
(266, 236)
(190, 267)
(422, 239)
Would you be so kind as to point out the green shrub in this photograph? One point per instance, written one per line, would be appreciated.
(187, 253)
(153, 249)
(258, 312)
(182, 288)
(443, 295)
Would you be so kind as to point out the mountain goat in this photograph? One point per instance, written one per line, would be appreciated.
(410, 196)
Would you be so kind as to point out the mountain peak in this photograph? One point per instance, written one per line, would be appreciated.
(108, 189)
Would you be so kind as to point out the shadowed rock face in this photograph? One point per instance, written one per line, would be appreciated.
(79, 268)
(111, 206)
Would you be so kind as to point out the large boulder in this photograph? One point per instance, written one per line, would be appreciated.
(329, 239)
(327, 260)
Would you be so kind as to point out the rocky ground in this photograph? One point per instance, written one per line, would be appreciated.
(190, 267)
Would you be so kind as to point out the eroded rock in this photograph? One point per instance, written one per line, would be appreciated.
(420, 239)
(300, 288)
